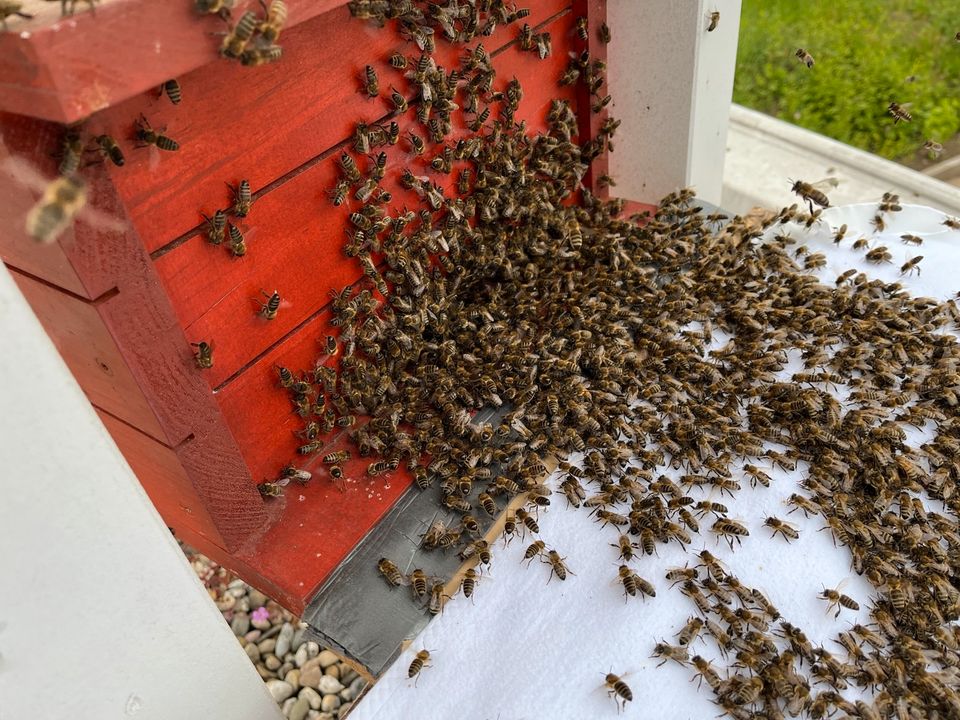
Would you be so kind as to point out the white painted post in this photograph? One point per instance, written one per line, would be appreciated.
(672, 82)
(101, 616)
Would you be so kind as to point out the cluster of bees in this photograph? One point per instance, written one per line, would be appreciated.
(641, 349)
(252, 40)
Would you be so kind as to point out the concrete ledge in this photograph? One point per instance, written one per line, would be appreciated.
(764, 154)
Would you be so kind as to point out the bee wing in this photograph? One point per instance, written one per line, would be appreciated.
(828, 183)
(25, 173)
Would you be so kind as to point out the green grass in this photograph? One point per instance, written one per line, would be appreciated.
(865, 51)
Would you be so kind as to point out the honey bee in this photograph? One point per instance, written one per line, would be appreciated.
(237, 245)
(219, 7)
(9, 8)
(783, 528)
(879, 254)
(952, 223)
(730, 530)
(269, 489)
(171, 88)
(349, 167)
(378, 468)
(108, 148)
(899, 113)
(399, 101)
(705, 672)
(371, 84)
(391, 572)
(204, 354)
(626, 547)
(236, 40)
(912, 264)
(469, 582)
(714, 20)
(418, 583)
(337, 457)
(269, 309)
(398, 61)
(557, 566)
(242, 200)
(810, 194)
(804, 57)
(603, 32)
(146, 135)
(878, 225)
(690, 631)
(619, 691)
(838, 600)
(528, 521)
(419, 662)
(933, 148)
(677, 575)
(437, 599)
(581, 29)
(274, 20)
(252, 57)
(670, 652)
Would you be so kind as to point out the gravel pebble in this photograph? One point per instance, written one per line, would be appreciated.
(256, 598)
(264, 673)
(312, 649)
(292, 677)
(253, 652)
(330, 703)
(299, 638)
(285, 668)
(240, 624)
(329, 685)
(357, 686)
(314, 715)
(312, 696)
(267, 646)
(299, 709)
(283, 640)
(287, 706)
(328, 658)
(272, 662)
(261, 624)
(253, 636)
(301, 656)
(280, 690)
(226, 603)
(310, 677)
(332, 671)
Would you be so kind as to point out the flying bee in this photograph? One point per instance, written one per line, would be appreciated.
(146, 135)
(714, 20)
(398, 100)
(804, 57)
(783, 528)
(557, 566)
(171, 88)
(838, 600)
(912, 264)
(933, 148)
(619, 691)
(274, 20)
(62, 199)
(269, 489)
(419, 662)
(811, 194)
(238, 246)
(390, 572)
(269, 309)
(899, 113)
(952, 223)
(108, 148)
(242, 200)
(371, 84)
(236, 40)
(203, 357)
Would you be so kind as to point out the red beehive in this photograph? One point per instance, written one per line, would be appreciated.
(124, 306)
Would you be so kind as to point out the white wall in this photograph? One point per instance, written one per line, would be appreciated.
(101, 615)
(671, 82)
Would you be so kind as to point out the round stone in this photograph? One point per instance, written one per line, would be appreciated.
(240, 624)
(329, 685)
(256, 598)
(253, 652)
(333, 671)
(299, 709)
(284, 639)
(330, 703)
(313, 649)
(281, 690)
(312, 696)
(287, 706)
(301, 657)
(328, 658)
(272, 662)
(267, 646)
(293, 677)
(311, 676)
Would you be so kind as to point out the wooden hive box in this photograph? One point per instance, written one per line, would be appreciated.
(124, 305)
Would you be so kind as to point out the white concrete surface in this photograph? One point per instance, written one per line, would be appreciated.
(101, 617)
(764, 154)
(671, 81)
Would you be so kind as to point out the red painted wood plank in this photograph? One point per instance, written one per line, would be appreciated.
(257, 123)
(158, 469)
(297, 248)
(91, 353)
(64, 69)
(595, 11)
